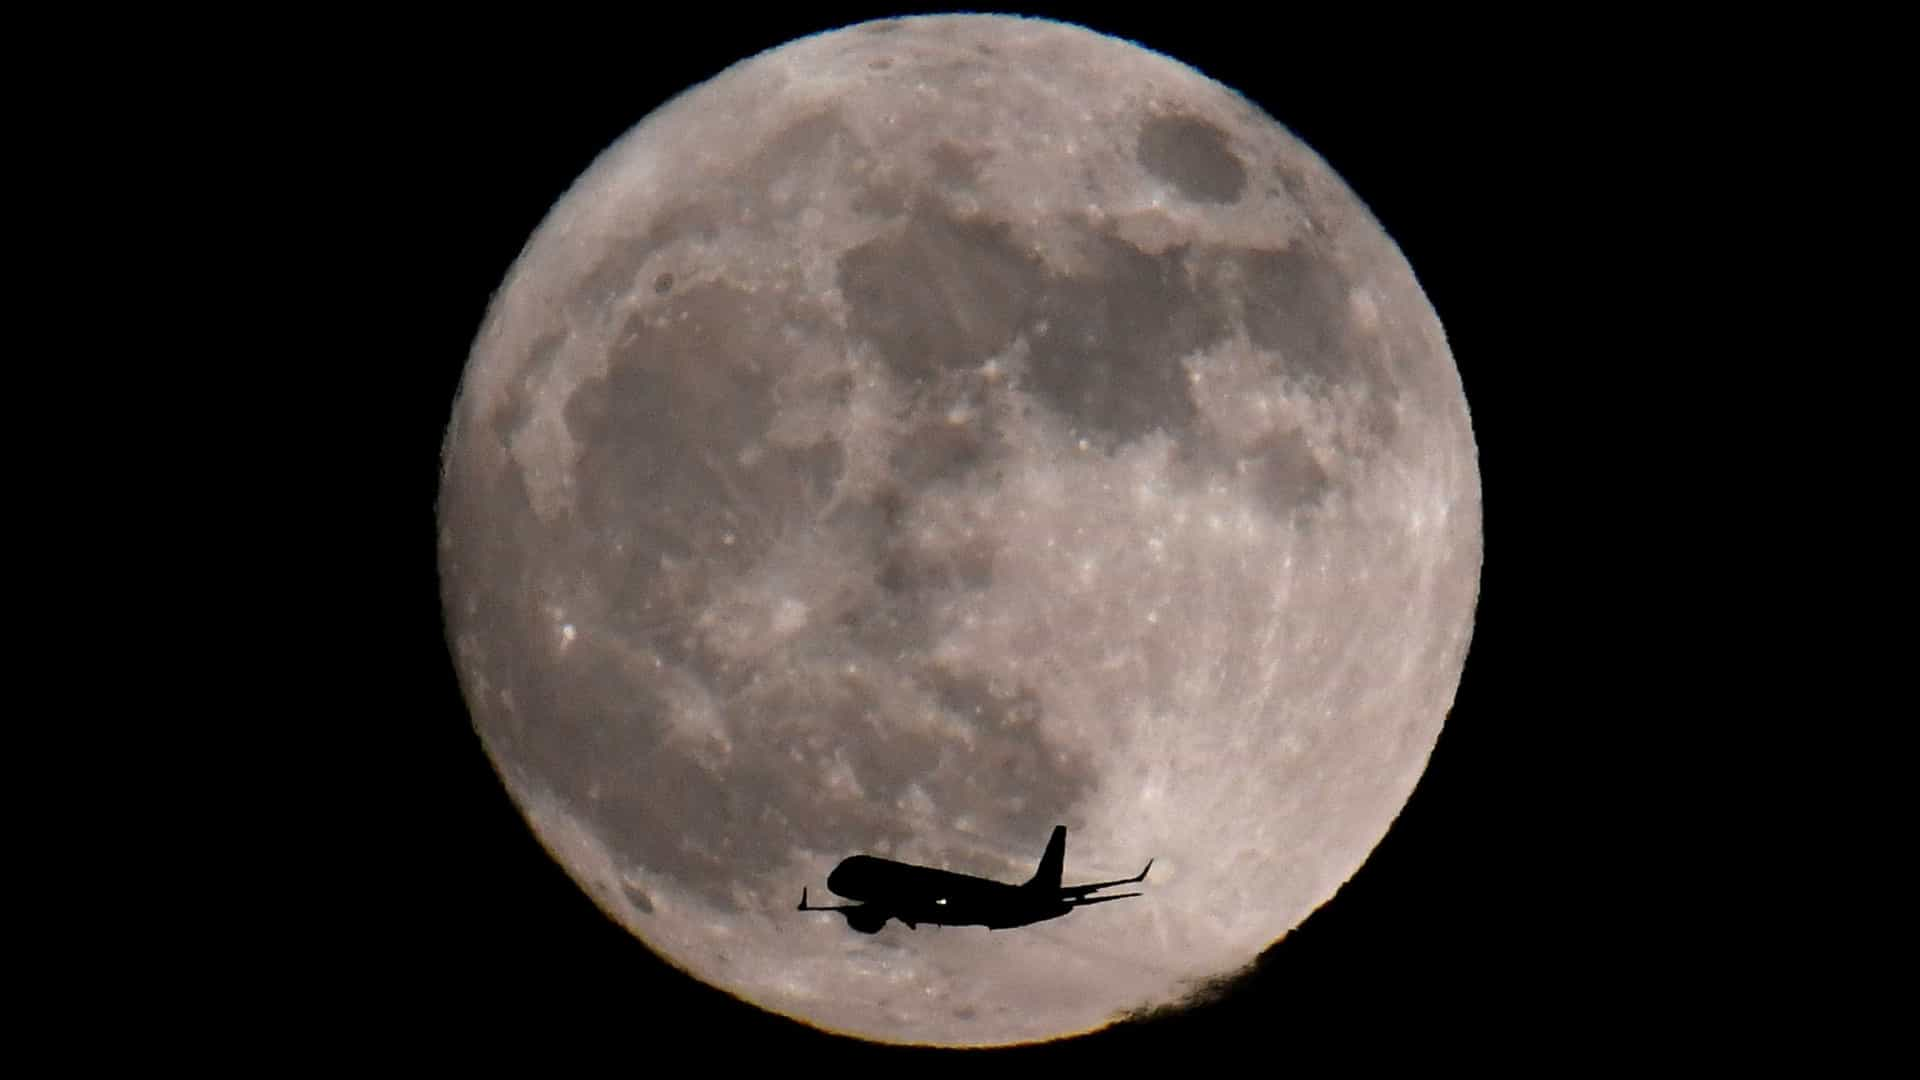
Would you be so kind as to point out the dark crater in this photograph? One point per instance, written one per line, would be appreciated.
(1193, 156)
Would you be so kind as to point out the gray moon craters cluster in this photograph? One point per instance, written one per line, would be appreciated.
(907, 442)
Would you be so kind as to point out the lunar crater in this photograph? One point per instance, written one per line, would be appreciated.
(1192, 155)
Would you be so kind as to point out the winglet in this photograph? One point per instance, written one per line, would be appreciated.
(803, 899)
(1143, 871)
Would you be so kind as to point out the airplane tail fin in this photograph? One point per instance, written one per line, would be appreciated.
(1048, 876)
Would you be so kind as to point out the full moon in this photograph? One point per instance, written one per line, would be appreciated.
(927, 433)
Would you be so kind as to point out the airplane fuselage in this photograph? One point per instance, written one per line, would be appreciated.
(884, 890)
(920, 894)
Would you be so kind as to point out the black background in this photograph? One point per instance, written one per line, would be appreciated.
(1491, 918)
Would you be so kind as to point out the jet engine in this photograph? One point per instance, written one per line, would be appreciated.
(865, 919)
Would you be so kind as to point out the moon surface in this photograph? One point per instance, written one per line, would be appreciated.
(933, 431)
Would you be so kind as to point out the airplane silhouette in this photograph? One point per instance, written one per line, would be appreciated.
(920, 894)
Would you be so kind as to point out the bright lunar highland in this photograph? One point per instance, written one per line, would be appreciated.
(930, 432)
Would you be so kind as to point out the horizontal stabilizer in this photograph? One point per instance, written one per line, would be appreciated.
(1082, 890)
(1082, 901)
(804, 906)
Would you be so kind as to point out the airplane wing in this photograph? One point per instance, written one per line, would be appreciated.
(1076, 893)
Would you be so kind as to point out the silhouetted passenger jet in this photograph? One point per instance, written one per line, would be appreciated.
(919, 894)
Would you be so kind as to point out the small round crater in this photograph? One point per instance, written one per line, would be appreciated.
(663, 284)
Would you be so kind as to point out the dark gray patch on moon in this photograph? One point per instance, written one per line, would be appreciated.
(955, 166)
(645, 429)
(591, 730)
(1295, 300)
(807, 146)
(660, 475)
(893, 618)
(936, 450)
(1298, 306)
(1296, 188)
(1109, 355)
(1284, 475)
(1278, 470)
(941, 293)
(906, 570)
(945, 294)
(1193, 156)
(610, 280)
(512, 412)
